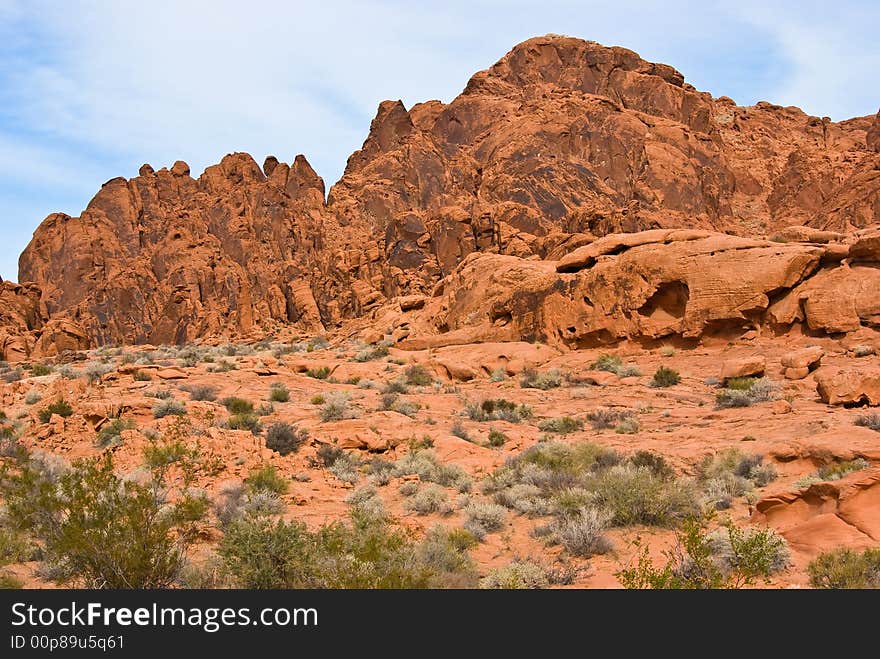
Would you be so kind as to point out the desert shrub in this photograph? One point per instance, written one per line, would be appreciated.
(498, 375)
(318, 399)
(13, 375)
(159, 394)
(635, 495)
(628, 425)
(285, 438)
(418, 375)
(667, 351)
(60, 407)
(614, 364)
(245, 421)
(67, 372)
(328, 454)
(203, 392)
(729, 474)
(319, 373)
(653, 461)
(582, 534)
(423, 462)
(237, 501)
(395, 403)
(94, 371)
(482, 517)
(602, 418)
(871, 421)
(408, 488)
(701, 560)
(101, 530)
(836, 470)
(429, 499)
(39, 370)
(32, 397)
(223, 366)
(336, 407)
(236, 405)
(846, 568)
(496, 438)
(168, 408)
(380, 470)
(562, 425)
(142, 376)
(518, 575)
(753, 390)
(396, 386)
(346, 468)
(458, 430)
(863, 351)
(265, 409)
(365, 501)
(759, 551)
(369, 354)
(364, 552)
(532, 379)
(498, 409)
(525, 498)
(279, 393)
(446, 553)
(110, 433)
(606, 362)
(266, 479)
(665, 377)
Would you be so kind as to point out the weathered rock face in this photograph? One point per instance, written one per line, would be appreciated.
(652, 284)
(166, 258)
(560, 141)
(20, 316)
(563, 135)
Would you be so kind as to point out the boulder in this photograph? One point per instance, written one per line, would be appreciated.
(743, 367)
(837, 386)
(797, 364)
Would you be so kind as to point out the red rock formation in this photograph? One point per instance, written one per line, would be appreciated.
(560, 141)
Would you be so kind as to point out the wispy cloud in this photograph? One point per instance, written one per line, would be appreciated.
(90, 90)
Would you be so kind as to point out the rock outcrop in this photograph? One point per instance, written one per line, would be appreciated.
(559, 142)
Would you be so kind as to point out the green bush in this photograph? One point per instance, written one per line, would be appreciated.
(104, 531)
(665, 377)
(336, 407)
(279, 393)
(498, 409)
(142, 376)
(846, 568)
(267, 479)
(363, 553)
(418, 375)
(429, 499)
(603, 418)
(110, 433)
(746, 392)
(635, 495)
(519, 575)
(482, 517)
(370, 354)
(583, 533)
(39, 370)
(285, 438)
(235, 405)
(532, 379)
(871, 421)
(562, 425)
(168, 408)
(496, 438)
(203, 392)
(653, 461)
(446, 553)
(732, 559)
(614, 364)
(60, 407)
(319, 373)
(245, 421)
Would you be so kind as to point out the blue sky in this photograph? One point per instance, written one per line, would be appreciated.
(91, 90)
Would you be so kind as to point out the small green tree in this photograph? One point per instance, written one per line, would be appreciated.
(102, 530)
